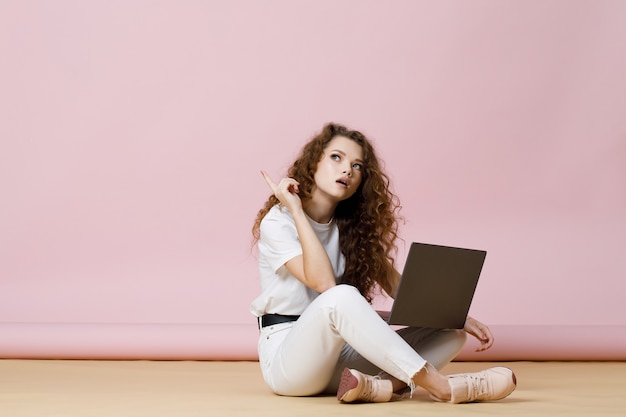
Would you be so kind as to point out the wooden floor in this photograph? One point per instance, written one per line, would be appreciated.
(79, 388)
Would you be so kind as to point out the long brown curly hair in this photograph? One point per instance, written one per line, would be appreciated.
(367, 221)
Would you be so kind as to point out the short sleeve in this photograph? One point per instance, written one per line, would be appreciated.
(279, 241)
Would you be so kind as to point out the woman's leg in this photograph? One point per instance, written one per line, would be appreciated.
(437, 347)
(300, 359)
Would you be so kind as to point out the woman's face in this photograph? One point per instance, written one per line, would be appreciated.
(340, 170)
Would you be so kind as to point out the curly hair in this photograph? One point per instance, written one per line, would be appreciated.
(367, 221)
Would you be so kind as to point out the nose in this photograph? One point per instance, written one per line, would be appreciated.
(348, 171)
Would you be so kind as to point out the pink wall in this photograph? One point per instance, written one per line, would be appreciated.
(132, 134)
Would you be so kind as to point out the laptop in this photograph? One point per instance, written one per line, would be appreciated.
(437, 286)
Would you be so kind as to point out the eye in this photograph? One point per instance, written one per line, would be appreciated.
(357, 166)
(335, 157)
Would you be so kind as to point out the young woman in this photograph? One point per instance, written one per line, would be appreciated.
(326, 240)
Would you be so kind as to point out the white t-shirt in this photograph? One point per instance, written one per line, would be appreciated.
(281, 292)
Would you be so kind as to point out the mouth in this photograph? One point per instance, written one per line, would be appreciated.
(343, 182)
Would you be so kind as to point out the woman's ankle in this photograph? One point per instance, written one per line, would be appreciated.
(434, 382)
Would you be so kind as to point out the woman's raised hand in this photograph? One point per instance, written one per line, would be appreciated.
(286, 191)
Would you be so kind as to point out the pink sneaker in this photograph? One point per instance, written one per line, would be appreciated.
(358, 387)
(488, 385)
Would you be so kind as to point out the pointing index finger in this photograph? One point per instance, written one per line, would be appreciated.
(268, 180)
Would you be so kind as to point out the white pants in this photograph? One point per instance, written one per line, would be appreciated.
(341, 329)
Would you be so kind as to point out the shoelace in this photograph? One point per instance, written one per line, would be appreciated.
(369, 389)
(477, 385)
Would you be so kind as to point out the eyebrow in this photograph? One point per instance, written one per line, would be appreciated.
(344, 154)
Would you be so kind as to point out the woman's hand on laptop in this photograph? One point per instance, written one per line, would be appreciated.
(480, 331)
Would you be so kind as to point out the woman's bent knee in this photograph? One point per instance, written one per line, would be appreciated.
(343, 289)
(340, 292)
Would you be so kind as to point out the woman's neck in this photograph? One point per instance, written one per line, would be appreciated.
(319, 212)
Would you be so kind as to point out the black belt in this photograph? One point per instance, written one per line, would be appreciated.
(271, 319)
